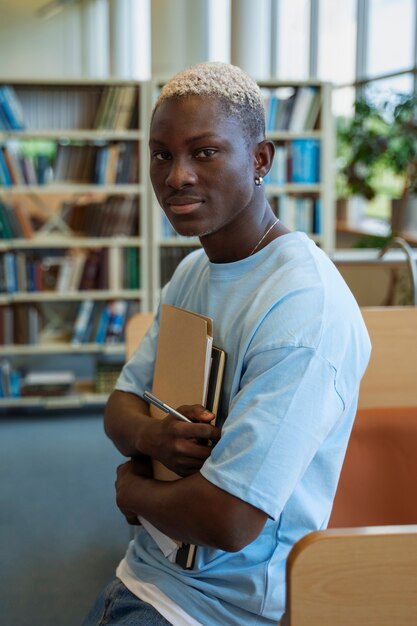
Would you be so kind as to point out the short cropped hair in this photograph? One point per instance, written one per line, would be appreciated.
(239, 95)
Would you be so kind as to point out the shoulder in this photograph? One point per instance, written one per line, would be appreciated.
(310, 305)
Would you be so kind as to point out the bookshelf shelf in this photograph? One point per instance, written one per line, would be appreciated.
(185, 242)
(284, 135)
(63, 348)
(73, 401)
(80, 189)
(73, 232)
(74, 296)
(73, 134)
(65, 242)
(293, 188)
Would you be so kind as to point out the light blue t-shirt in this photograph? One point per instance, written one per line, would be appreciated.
(296, 349)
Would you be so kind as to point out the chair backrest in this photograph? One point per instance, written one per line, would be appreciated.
(390, 379)
(377, 484)
(378, 480)
(136, 328)
(361, 577)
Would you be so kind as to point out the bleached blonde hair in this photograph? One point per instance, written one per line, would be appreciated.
(238, 94)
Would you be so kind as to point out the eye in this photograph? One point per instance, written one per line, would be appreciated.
(205, 153)
(161, 156)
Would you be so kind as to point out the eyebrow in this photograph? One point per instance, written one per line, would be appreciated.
(203, 136)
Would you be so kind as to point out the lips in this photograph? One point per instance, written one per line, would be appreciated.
(183, 205)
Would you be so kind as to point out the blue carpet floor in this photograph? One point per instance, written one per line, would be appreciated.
(61, 534)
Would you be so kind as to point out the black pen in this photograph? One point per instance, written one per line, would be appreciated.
(149, 397)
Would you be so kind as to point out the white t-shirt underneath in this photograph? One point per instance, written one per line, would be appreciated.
(152, 595)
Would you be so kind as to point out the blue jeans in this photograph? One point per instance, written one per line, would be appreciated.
(117, 606)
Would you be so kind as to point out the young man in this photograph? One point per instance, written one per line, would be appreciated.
(296, 350)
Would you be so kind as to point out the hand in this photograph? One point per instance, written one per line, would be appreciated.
(180, 446)
(128, 484)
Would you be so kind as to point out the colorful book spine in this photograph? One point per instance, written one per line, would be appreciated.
(82, 323)
(305, 161)
(11, 108)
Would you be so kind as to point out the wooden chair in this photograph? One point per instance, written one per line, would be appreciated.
(363, 571)
(378, 480)
(390, 379)
(353, 577)
(136, 328)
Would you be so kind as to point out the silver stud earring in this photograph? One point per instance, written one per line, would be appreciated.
(258, 181)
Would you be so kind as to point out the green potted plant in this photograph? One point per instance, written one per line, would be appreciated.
(380, 139)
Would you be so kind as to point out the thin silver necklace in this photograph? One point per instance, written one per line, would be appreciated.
(263, 236)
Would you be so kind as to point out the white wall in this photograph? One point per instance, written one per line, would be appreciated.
(31, 47)
(179, 35)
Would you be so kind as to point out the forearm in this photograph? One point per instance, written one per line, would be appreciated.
(125, 419)
(192, 509)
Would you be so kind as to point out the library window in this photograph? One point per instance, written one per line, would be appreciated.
(390, 41)
(293, 39)
(337, 41)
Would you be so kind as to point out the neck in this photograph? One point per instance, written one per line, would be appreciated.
(237, 240)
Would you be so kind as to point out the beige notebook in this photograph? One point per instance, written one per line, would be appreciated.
(182, 366)
(188, 370)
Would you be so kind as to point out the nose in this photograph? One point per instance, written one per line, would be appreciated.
(181, 174)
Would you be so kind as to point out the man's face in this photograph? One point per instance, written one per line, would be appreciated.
(202, 169)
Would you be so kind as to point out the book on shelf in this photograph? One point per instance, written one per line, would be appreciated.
(170, 257)
(6, 231)
(34, 271)
(110, 320)
(117, 319)
(71, 270)
(10, 380)
(91, 270)
(5, 177)
(116, 215)
(103, 119)
(23, 169)
(300, 213)
(12, 116)
(10, 272)
(305, 109)
(6, 325)
(305, 161)
(185, 346)
(295, 109)
(116, 108)
(79, 259)
(278, 108)
(131, 264)
(25, 223)
(47, 383)
(19, 324)
(82, 323)
(125, 107)
(102, 324)
(10, 155)
(106, 377)
(278, 174)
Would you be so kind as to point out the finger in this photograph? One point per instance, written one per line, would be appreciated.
(197, 413)
(194, 449)
(195, 431)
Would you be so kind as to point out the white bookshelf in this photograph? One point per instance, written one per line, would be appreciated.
(306, 205)
(65, 116)
(63, 112)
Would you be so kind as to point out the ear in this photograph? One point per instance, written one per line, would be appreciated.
(264, 156)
